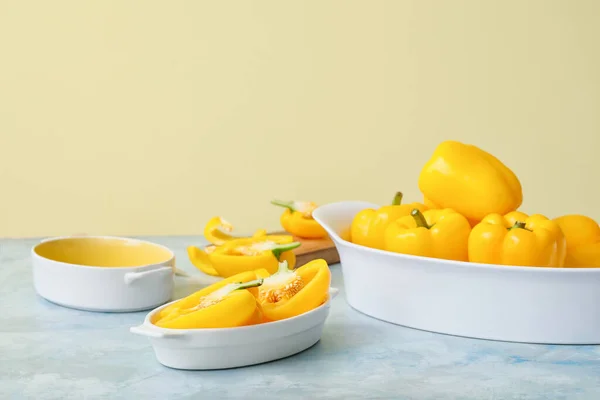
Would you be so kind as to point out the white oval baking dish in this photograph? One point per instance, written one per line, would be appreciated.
(103, 289)
(517, 304)
(207, 349)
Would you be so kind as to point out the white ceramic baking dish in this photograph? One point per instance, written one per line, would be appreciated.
(134, 275)
(207, 349)
(518, 304)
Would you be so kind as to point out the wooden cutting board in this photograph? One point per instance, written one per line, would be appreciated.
(312, 249)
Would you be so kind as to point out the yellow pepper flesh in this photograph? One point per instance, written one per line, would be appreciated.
(434, 233)
(227, 307)
(289, 293)
(297, 219)
(518, 240)
(583, 240)
(240, 255)
(369, 225)
(193, 299)
(470, 181)
(217, 231)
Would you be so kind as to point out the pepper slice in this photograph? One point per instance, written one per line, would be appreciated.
(517, 239)
(227, 307)
(246, 254)
(297, 219)
(434, 233)
(368, 226)
(583, 240)
(289, 293)
(217, 231)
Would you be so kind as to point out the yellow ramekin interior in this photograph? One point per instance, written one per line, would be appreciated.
(103, 252)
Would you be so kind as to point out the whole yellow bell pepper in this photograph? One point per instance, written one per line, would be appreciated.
(434, 233)
(297, 219)
(368, 226)
(289, 293)
(470, 181)
(244, 254)
(583, 240)
(518, 240)
(226, 307)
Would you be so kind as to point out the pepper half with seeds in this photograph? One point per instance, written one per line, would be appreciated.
(227, 307)
(289, 293)
(193, 299)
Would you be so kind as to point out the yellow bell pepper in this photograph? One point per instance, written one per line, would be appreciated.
(517, 239)
(297, 219)
(583, 240)
(194, 298)
(289, 293)
(217, 231)
(532, 222)
(226, 307)
(470, 181)
(244, 254)
(434, 233)
(368, 226)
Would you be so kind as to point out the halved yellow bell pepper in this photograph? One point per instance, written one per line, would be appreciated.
(289, 293)
(368, 226)
(470, 181)
(297, 219)
(246, 254)
(193, 299)
(517, 239)
(226, 307)
(434, 233)
(583, 240)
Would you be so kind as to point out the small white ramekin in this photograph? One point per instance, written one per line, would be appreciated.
(205, 349)
(104, 289)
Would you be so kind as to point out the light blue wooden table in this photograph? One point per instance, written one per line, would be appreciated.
(51, 352)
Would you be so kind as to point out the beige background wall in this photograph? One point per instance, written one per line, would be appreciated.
(144, 117)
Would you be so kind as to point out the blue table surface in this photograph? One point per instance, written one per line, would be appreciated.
(52, 352)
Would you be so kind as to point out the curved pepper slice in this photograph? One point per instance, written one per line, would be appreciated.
(470, 181)
(433, 233)
(241, 255)
(583, 240)
(368, 226)
(193, 299)
(519, 240)
(289, 293)
(227, 307)
(217, 231)
(297, 219)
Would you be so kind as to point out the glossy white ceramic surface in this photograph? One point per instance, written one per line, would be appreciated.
(204, 349)
(519, 304)
(103, 289)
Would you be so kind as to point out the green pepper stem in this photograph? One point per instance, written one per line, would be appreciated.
(518, 225)
(251, 284)
(285, 204)
(280, 248)
(419, 219)
(397, 199)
